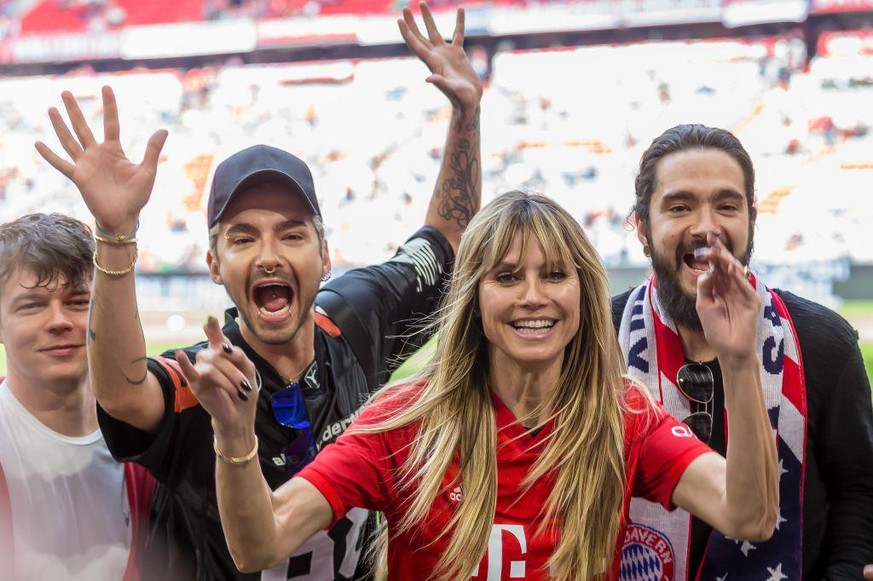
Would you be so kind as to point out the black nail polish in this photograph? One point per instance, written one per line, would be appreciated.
(245, 385)
(227, 348)
(242, 395)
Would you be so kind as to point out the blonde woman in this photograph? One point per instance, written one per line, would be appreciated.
(515, 454)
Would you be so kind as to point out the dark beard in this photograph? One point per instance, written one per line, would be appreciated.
(675, 302)
(678, 305)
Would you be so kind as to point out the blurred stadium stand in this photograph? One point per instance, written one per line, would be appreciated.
(575, 92)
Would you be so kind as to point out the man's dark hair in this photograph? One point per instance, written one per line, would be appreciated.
(681, 138)
(53, 246)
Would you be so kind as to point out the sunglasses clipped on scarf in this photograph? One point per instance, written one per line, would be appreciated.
(696, 383)
(289, 409)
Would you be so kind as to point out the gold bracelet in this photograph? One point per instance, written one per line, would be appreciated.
(120, 240)
(110, 272)
(235, 460)
(104, 236)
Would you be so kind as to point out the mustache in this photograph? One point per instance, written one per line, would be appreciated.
(700, 242)
(287, 278)
(272, 277)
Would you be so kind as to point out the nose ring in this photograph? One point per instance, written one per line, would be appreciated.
(270, 271)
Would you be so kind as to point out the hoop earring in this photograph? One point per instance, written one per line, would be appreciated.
(326, 277)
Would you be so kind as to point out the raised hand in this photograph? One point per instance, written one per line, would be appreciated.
(224, 381)
(114, 188)
(452, 72)
(727, 304)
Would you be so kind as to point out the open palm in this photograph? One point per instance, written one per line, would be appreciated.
(452, 71)
(113, 188)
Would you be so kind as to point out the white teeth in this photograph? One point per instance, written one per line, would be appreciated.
(265, 311)
(533, 324)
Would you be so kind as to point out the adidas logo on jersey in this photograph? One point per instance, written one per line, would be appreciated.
(457, 495)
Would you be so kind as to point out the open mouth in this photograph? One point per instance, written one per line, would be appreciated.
(533, 327)
(689, 258)
(273, 298)
(694, 263)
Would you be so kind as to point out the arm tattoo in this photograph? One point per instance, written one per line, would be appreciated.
(473, 124)
(144, 359)
(459, 190)
(145, 374)
(92, 337)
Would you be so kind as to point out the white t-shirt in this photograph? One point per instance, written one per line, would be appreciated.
(69, 506)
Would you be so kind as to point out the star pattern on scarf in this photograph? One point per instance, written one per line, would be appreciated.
(745, 546)
(776, 574)
(644, 326)
(780, 519)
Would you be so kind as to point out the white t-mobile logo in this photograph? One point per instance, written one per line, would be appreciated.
(495, 553)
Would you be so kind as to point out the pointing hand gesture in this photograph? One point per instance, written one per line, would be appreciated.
(224, 381)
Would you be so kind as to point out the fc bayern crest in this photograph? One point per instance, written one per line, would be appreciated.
(647, 555)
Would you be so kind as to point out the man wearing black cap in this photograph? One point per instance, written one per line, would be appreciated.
(318, 353)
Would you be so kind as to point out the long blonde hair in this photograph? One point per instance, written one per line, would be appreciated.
(455, 412)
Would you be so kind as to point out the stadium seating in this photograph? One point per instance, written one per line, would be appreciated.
(79, 15)
(806, 124)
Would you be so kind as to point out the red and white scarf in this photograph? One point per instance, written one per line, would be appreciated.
(657, 541)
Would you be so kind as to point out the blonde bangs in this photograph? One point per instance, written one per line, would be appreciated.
(531, 225)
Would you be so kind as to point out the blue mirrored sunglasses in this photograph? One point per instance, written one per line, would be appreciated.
(289, 409)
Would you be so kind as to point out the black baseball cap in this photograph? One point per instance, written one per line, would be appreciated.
(253, 166)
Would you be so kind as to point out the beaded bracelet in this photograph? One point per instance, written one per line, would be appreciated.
(110, 272)
(235, 460)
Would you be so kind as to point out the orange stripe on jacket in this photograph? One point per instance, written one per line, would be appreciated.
(327, 325)
(184, 396)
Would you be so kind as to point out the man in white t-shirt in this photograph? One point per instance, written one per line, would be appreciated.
(67, 509)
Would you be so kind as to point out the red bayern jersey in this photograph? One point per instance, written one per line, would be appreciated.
(362, 470)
